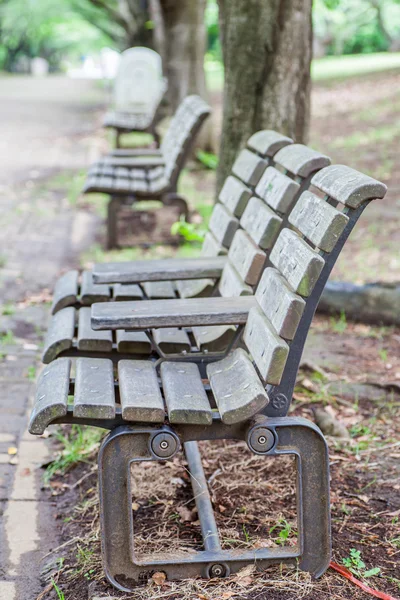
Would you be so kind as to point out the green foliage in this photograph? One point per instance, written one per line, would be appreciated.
(191, 232)
(60, 594)
(284, 529)
(356, 565)
(208, 159)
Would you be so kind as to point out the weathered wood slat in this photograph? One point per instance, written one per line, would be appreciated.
(348, 186)
(249, 167)
(231, 284)
(277, 190)
(268, 350)
(318, 221)
(65, 291)
(214, 339)
(234, 195)
(140, 395)
(267, 142)
(158, 270)
(127, 291)
(154, 314)
(94, 396)
(51, 397)
(133, 342)
(236, 386)
(172, 340)
(211, 246)
(246, 257)
(301, 160)
(60, 334)
(261, 223)
(90, 340)
(223, 225)
(184, 394)
(93, 292)
(195, 288)
(298, 263)
(159, 289)
(279, 303)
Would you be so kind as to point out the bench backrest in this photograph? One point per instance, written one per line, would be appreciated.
(182, 131)
(301, 260)
(139, 85)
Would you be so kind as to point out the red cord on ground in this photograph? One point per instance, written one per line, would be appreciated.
(349, 575)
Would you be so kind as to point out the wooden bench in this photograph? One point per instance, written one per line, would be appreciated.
(127, 178)
(154, 407)
(266, 180)
(138, 90)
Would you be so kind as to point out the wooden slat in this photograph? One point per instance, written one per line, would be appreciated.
(51, 397)
(234, 195)
(249, 167)
(211, 246)
(60, 334)
(195, 288)
(94, 396)
(299, 264)
(184, 394)
(267, 142)
(261, 223)
(158, 270)
(172, 340)
(277, 190)
(133, 342)
(223, 225)
(140, 395)
(159, 289)
(154, 314)
(301, 160)
(232, 285)
(127, 291)
(348, 186)
(318, 221)
(246, 257)
(283, 307)
(236, 386)
(65, 291)
(90, 340)
(214, 339)
(93, 292)
(268, 350)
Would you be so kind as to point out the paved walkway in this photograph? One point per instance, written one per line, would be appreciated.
(47, 126)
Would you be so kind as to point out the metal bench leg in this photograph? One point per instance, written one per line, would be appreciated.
(273, 437)
(174, 199)
(112, 222)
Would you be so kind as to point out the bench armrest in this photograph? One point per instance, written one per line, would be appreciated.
(169, 269)
(191, 312)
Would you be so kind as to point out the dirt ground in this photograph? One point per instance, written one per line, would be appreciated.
(352, 370)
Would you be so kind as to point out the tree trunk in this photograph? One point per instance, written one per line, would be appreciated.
(267, 50)
(185, 46)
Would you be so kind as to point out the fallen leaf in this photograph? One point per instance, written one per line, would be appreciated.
(12, 450)
(186, 514)
(14, 460)
(227, 595)
(135, 506)
(177, 481)
(222, 508)
(159, 578)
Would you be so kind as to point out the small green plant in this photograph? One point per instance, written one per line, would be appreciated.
(31, 374)
(284, 530)
(191, 232)
(356, 565)
(8, 309)
(60, 594)
(339, 325)
(383, 354)
(246, 534)
(208, 159)
(7, 339)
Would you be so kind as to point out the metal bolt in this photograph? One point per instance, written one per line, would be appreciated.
(261, 440)
(164, 445)
(217, 571)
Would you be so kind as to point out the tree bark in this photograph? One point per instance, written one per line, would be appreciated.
(267, 50)
(185, 46)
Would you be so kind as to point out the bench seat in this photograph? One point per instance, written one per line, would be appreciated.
(128, 121)
(177, 394)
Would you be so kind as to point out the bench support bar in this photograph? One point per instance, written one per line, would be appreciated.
(282, 436)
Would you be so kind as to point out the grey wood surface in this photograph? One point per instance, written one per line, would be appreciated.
(59, 334)
(211, 247)
(159, 289)
(234, 195)
(171, 313)
(172, 340)
(247, 258)
(94, 396)
(279, 303)
(301, 160)
(268, 350)
(65, 291)
(223, 225)
(133, 342)
(184, 394)
(88, 339)
(348, 186)
(231, 283)
(267, 142)
(261, 223)
(214, 338)
(277, 190)
(236, 386)
(297, 261)
(159, 270)
(91, 291)
(140, 395)
(249, 167)
(195, 288)
(127, 291)
(51, 396)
